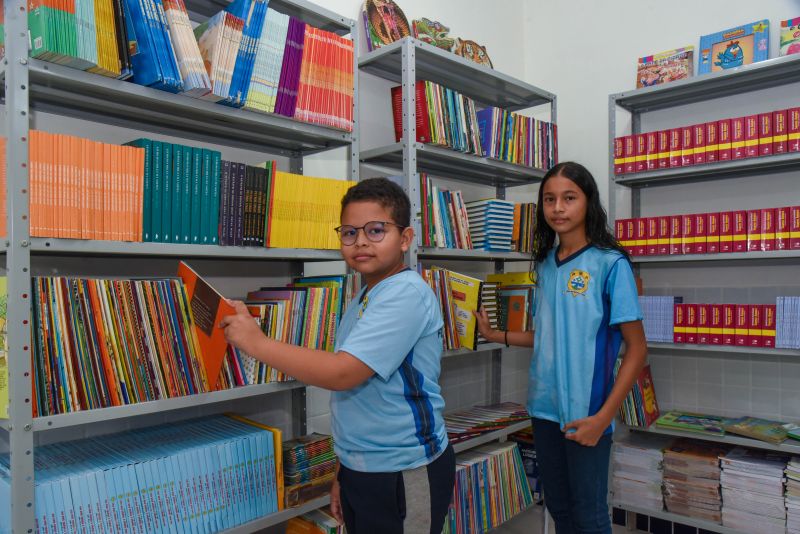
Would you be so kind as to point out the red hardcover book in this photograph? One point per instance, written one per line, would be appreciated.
(712, 232)
(676, 234)
(663, 235)
(619, 155)
(751, 136)
(704, 324)
(699, 140)
(630, 236)
(651, 248)
(648, 393)
(739, 231)
(793, 130)
(675, 146)
(700, 233)
(754, 325)
(782, 228)
(687, 233)
(619, 231)
(691, 322)
(742, 326)
(629, 153)
(726, 231)
(729, 324)
(768, 321)
(652, 151)
(780, 131)
(712, 141)
(794, 228)
(687, 146)
(423, 122)
(768, 227)
(765, 133)
(663, 149)
(679, 323)
(738, 140)
(641, 236)
(753, 230)
(725, 137)
(715, 324)
(641, 152)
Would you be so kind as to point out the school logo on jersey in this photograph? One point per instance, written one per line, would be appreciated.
(578, 282)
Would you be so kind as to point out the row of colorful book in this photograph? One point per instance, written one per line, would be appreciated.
(764, 134)
(530, 462)
(203, 475)
(472, 422)
(309, 468)
(640, 407)
(515, 138)
(247, 55)
(710, 233)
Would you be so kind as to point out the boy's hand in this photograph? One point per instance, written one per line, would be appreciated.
(336, 502)
(587, 430)
(484, 327)
(241, 330)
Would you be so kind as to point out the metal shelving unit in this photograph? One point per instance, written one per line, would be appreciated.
(470, 255)
(279, 517)
(753, 257)
(677, 518)
(726, 349)
(496, 435)
(481, 349)
(32, 85)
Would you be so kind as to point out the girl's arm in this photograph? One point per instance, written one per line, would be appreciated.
(589, 429)
(519, 339)
(338, 371)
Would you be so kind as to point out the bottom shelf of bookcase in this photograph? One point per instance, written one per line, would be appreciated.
(677, 518)
(491, 436)
(279, 517)
(788, 446)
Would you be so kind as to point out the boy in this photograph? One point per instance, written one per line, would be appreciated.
(396, 470)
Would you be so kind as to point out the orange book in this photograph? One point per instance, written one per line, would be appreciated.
(515, 232)
(106, 188)
(54, 190)
(208, 309)
(114, 180)
(109, 366)
(139, 206)
(97, 190)
(83, 182)
(75, 204)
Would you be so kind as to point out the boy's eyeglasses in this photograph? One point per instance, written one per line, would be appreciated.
(374, 230)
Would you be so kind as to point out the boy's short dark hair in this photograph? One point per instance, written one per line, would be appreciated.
(385, 192)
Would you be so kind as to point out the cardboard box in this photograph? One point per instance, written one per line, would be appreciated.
(725, 136)
(780, 131)
(765, 139)
(676, 234)
(753, 230)
(663, 235)
(629, 154)
(739, 231)
(641, 236)
(675, 147)
(687, 146)
(679, 323)
(768, 328)
(793, 130)
(651, 247)
(742, 328)
(662, 138)
(768, 227)
(794, 228)
(712, 231)
(651, 151)
(700, 233)
(715, 324)
(754, 335)
(712, 142)
(691, 323)
(641, 152)
(687, 241)
(704, 324)
(726, 231)
(782, 228)
(728, 324)
(619, 156)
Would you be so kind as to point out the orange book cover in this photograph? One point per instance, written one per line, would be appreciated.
(77, 166)
(106, 186)
(114, 179)
(138, 175)
(208, 309)
(648, 391)
(515, 238)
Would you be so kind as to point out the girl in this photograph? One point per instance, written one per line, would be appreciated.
(585, 305)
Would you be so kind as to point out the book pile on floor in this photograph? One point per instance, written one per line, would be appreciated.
(478, 420)
(309, 467)
(636, 463)
(752, 490)
(793, 496)
(691, 479)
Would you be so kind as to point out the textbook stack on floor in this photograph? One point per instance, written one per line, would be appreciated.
(691, 479)
(309, 467)
(793, 496)
(637, 471)
(752, 490)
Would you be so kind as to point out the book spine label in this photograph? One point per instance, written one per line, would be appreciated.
(738, 149)
(768, 328)
(794, 228)
(641, 237)
(687, 235)
(768, 226)
(725, 136)
(675, 146)
(700, 233)
(780, 131)
(728, 324)
(619, 155)
(687, 146)
(712, 246)
(676, 234)
(712, 142)
(739, 231)
(765, 134)
(753, 230)
(793, 130)
(751, 136)
(619, 232)
(699, 140)
(691, 323)
(704, 324)
(754, 326)
(782, 228)
(662, 240)
(652, 151)
(715, 324)
(663, 149)
(641, 152)
(742, 325)
(629, 154)
(726, 231)
(652, 236)
(679, 323)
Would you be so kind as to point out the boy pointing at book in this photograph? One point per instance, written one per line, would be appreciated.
(397, 469)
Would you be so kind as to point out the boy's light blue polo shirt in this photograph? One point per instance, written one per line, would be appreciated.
(578, 306)
(393, 421)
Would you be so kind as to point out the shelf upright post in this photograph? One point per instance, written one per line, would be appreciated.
(355, 142)
(612, 134)
(409, 106)
(18, 262)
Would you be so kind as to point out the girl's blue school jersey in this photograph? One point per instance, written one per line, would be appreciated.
(393, 421)
(579, 304)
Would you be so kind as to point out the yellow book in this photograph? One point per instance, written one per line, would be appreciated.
(466, 293)
(277, 445)
(512, 279)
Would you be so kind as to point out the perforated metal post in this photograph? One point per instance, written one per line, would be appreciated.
(355, 155)
(20, 423)
(410, 177)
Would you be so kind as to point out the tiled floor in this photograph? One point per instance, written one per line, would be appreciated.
(530, 522)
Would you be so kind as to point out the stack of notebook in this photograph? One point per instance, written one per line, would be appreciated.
(491, 224)
(309, 467)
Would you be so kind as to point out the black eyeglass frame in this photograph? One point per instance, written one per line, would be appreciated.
(338, 230)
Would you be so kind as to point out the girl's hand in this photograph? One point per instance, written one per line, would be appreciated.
(588, 430)
(336, 502)
(483, 323)
(241, 330)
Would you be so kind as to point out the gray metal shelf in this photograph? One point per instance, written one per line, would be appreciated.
(481, 349)
(78, 247)
(491, 436)
(713, 171)
(448, 163)
(312, 14)
(83, 95)
(775, 255)
(484, 84)
(731, 349)
(677, 518)
(72, 419)
(761, 75)
(279, 517)
(789, 446)
(470, 255)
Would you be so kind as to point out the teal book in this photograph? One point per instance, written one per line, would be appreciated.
(166, 193)
(213, 210)
(186, 195)
(205, 198)
(197, 177)
(177, 192)
(147, 186)
(155, 204)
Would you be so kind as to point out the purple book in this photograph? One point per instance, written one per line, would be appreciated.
(287, 53)
(290, 77)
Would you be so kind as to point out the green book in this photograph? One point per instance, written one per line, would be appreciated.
(792, 430)
(155, 205)
(166, 193)
(205, 199)
(147, 185)
(186, 195)
(760, 429)
(197, 172)
(693, 422)
(213, 210)
(177, 191)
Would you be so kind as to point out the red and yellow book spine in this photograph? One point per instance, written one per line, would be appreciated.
(753, 230)
(691, 323)
(704, 324)
(712, 233)
(651, 247)
(701, 233)
(780, 131)
(679, 324)
(793, 130)
(688, 236)
(742, 327)
(726, 231)
(630, 236)
(641, 152)
(687, 146)
(739, 231)
(629, 154)
(768, 322)
(662, 138)
(728, 324)
(738, 138)
(751, 136)
(651, 149)
(641, 236)
(699, 140)
(725, 137)
(676, 234)
(712, 142)
(765, 134)
(715, 316)
(794, 228)
(768, 229)
(782, 228)
(754, 326)
(663, 236)
(619, 156)
(675, 146)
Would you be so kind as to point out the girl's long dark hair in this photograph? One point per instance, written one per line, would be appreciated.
(597, 229)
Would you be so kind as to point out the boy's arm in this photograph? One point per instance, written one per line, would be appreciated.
(338, 371)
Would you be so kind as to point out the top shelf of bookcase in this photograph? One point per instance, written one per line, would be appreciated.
(312, 14)
(762, 75)
(485, 85)
(82, 95)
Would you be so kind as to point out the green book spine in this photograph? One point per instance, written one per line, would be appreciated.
(197, 172)
(216, 172)
(166, 193)
(147, 185)
(155, 205)
(186, 196)
(39, 31)
(205, 198)
(177, 192)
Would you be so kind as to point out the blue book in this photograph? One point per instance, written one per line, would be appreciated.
(252, 12)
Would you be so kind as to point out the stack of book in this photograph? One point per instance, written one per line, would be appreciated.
(489, 303)
(636, 466)
(491, 488)
(787, 335)
(309, 467)
(658, 317)
(692, 422)
(524, 227)
(203, 475)
(320, 521)
(691, 479)
(491, 223)
(445, 223)
(640, 407)
(752, 490)
(742, 325)
(527, 449)
(518, 139)
(473, 422)
(793, 496)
